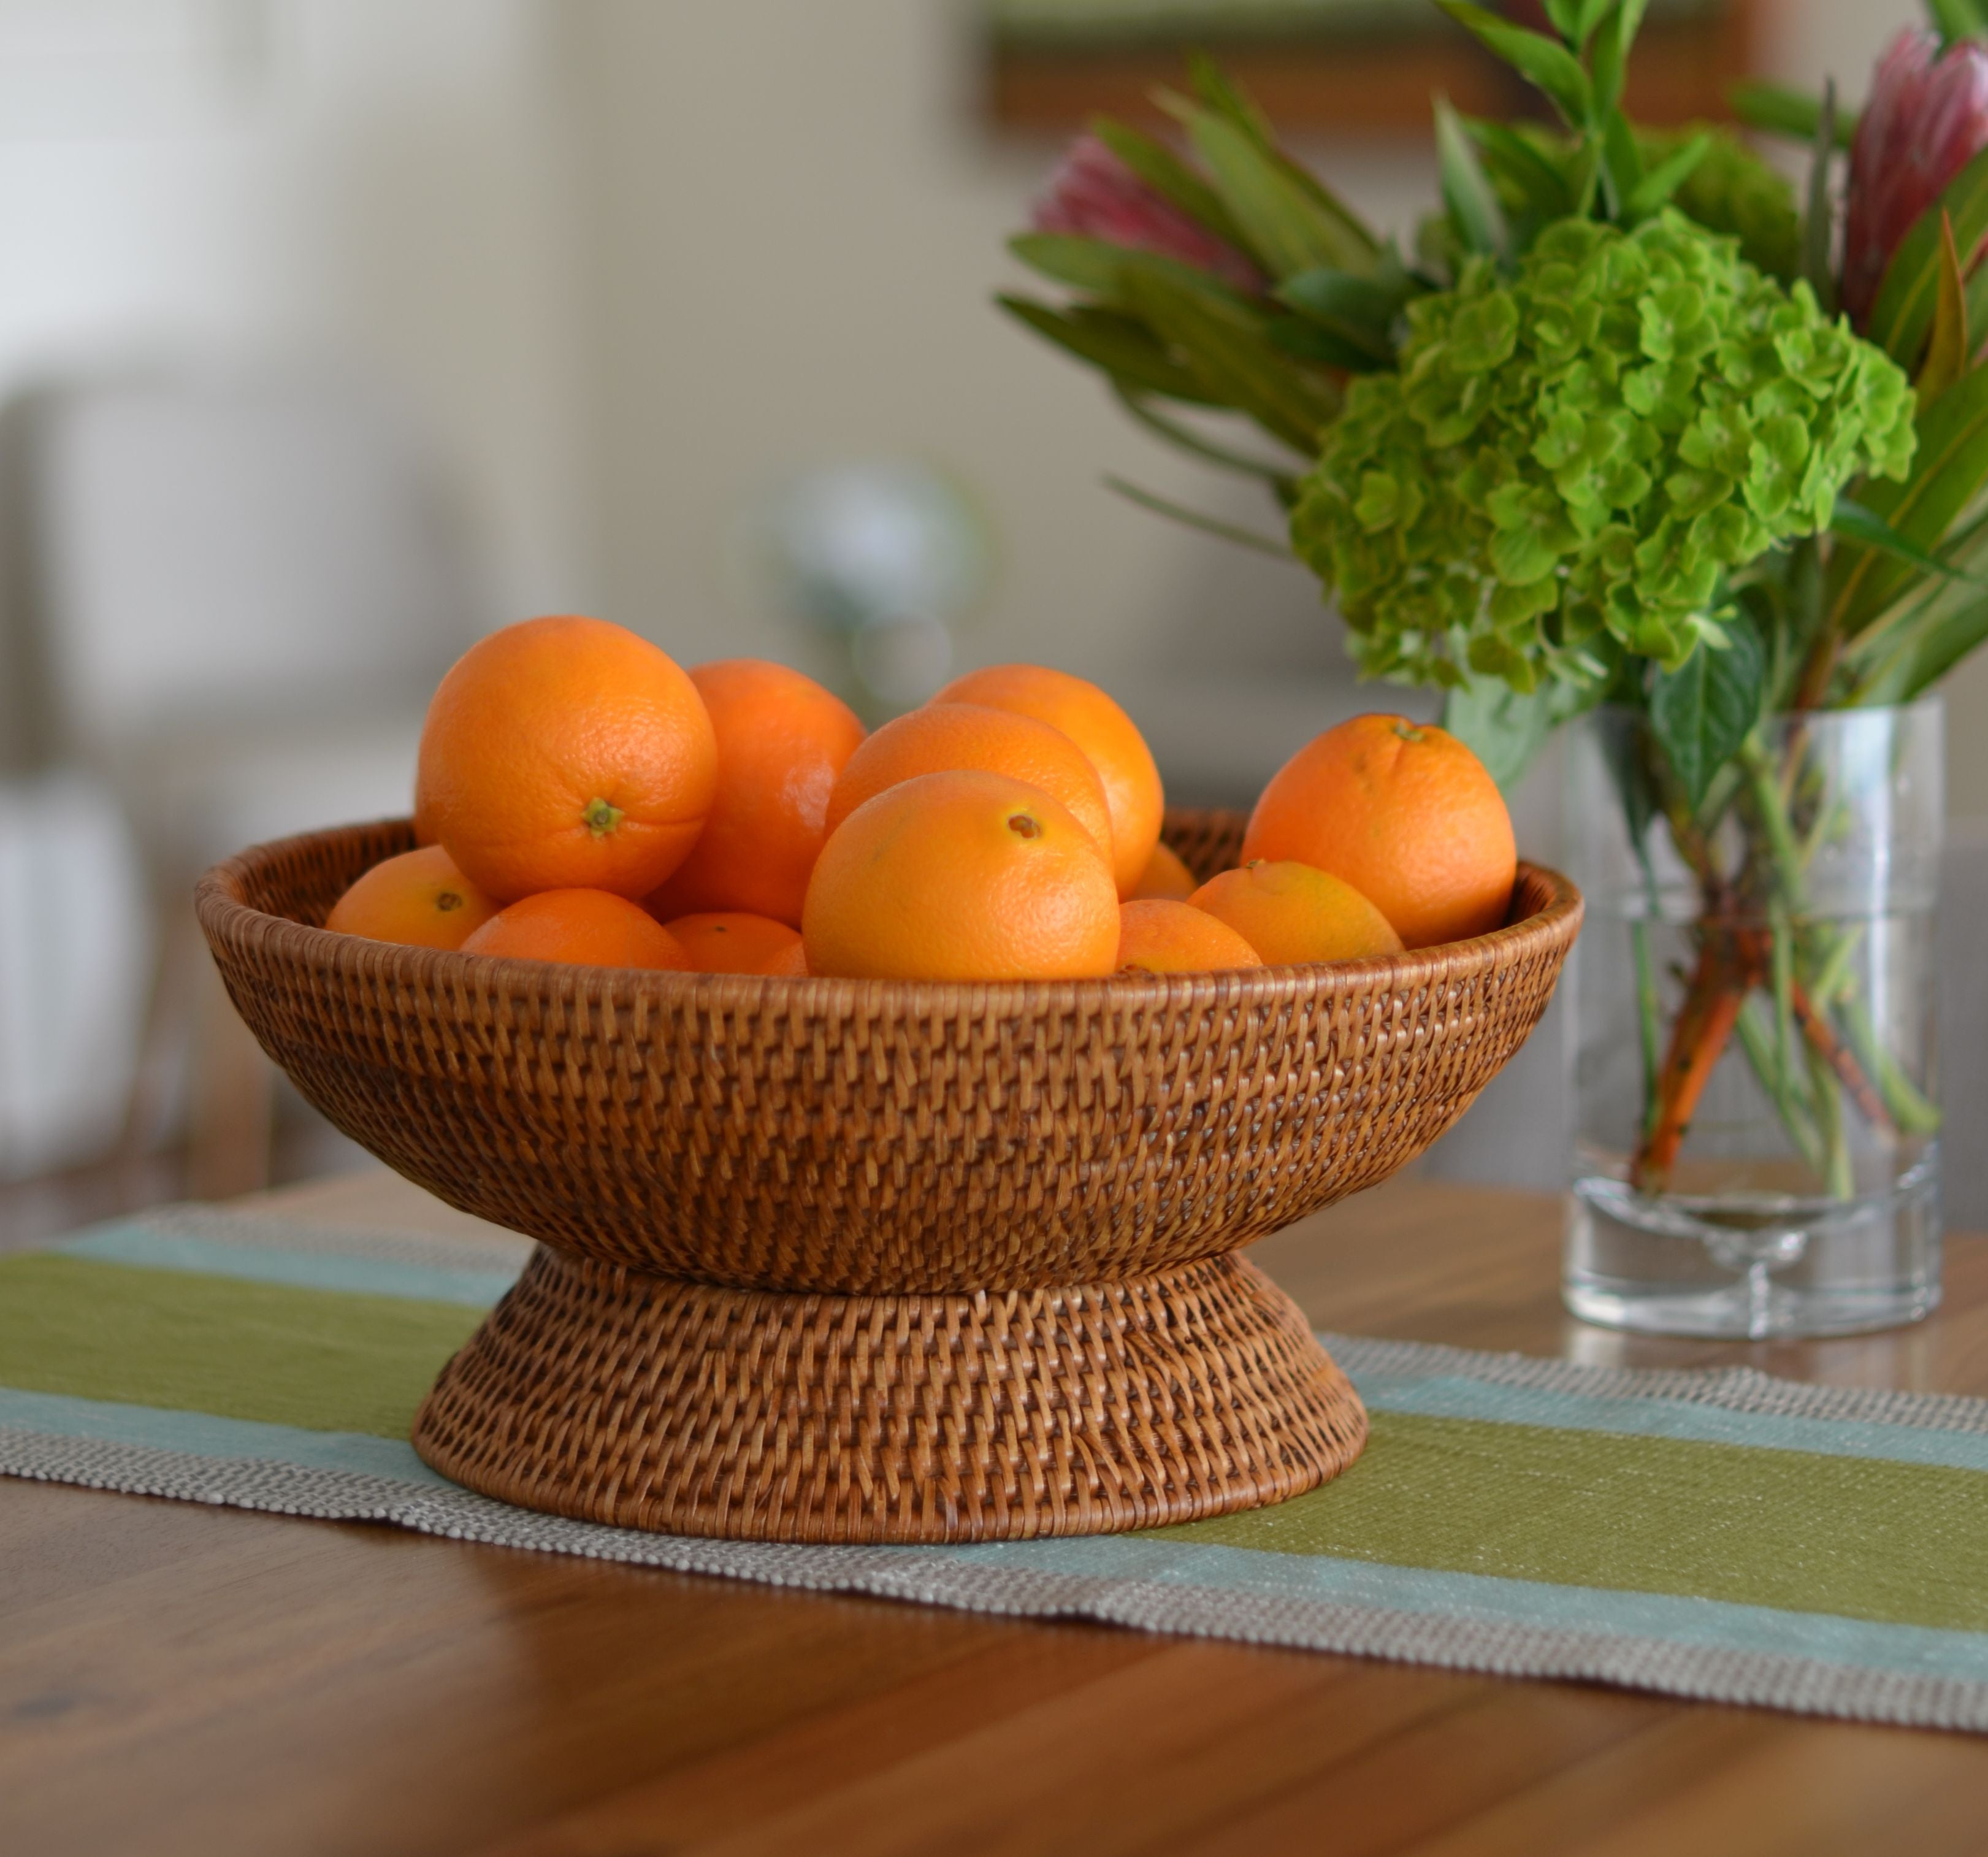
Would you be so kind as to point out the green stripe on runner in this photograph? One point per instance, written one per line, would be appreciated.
(323, 1360)
(1860, 1537)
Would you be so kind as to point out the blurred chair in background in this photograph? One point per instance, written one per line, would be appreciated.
(228, 597)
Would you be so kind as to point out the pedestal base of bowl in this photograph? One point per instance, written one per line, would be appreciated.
(653, 1402)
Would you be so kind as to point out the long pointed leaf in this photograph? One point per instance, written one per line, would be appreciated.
(1349, 351)
(1237, 367)
(1621, 161)
(1949, 470)
(1101, 268)
(1611, 56)
(1506, 154)
(1545, 62)
(1187, 440)
(1193, 518)
(1467, 191)
(1910, 292)
(1286, 229)
(1116, 344)
(1856, 523)
(1921, 652)
(1956, 19)
(1227, 98)
(1660, 182)
(1780, 111)
(1948, 354)
(1168, 175)
(1818, 264)
(1338, 299)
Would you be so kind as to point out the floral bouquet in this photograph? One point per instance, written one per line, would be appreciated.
(1633, 429)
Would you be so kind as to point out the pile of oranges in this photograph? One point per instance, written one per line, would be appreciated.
(580, 798)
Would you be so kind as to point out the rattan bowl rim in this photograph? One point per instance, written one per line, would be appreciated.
(226, 916)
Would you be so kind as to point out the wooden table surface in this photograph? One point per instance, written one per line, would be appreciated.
(176, 1679)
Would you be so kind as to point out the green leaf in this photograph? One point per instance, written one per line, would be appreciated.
(1575, 20)
(1549, 65)
(1956, 19)
(1910, 292)
(1339, 298)
(1101, 268)
(1237, 367)
(1856, 523)
(1621, 161)
(1187, 440)
(1309, 341)
(1467, 191)
(1704, 709)
(1227, 98)
(1193, 518)
(1506, 728)
(1168, 175)
(1949, 352)
(1949, 470)
(1937, 638)
(1611, 56)
(1818, 222)
(1544, 188)
(1793, 114)
(1116, 344)
(1281, 223)
(1228, 101)
(1660, 182)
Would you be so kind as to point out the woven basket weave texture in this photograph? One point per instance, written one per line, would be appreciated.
(835, 1261)
(854, 1137)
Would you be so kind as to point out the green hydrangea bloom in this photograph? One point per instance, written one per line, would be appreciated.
(1572, 456)
(1732, 190)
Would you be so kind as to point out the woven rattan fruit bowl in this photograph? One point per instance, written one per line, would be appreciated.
(837, 1260)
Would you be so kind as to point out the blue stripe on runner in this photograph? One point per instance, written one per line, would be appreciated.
(134, 1244)
(1714, 1623)
(1457, 1396)
(203, 1435)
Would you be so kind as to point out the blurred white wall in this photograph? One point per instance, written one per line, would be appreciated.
(629, 262)
(795, 225)
(792, 222)
(381, 183)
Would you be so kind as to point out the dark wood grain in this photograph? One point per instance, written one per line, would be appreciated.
(180, 1679)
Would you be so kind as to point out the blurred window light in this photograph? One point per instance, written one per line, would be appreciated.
(80, 68)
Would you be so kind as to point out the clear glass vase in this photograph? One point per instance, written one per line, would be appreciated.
(1755, 1148)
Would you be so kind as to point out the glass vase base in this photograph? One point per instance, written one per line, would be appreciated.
(1753, 1268)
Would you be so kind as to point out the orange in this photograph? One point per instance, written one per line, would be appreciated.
(566, 753)
(782, 740)
(1165, 877)
(733, 942)
(1290, 913)
(419, 898)
(948, 738)
(792, 962)
(1405, 814)
(1157, 934)
(587, 928)
(1105, 733)
(964, 875)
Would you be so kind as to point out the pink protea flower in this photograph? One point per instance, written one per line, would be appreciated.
(1927, 118)
(1093, 194)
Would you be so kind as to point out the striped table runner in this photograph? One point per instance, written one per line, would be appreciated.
(1725, 1536)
